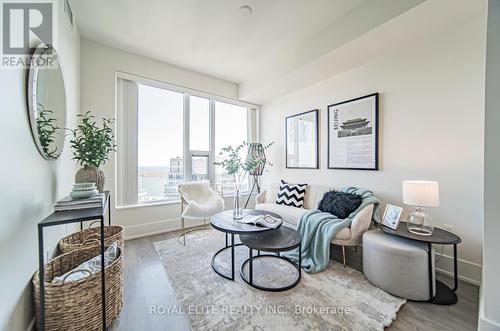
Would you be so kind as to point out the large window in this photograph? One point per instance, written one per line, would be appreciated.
(230, 129)
(159, 137)
(168, 135)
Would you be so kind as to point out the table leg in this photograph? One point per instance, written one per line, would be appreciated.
(455, 268)
(300, 259)
(103, 277)
(232, 256)
(109, 211)
(250, 266)
(226, 240)
(431, 283)
(41, 278)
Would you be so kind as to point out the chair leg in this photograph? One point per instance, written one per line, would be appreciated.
(355, 249)
(183, 233)
(343, 255)
(182, 237)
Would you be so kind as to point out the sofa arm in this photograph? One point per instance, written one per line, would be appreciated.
(361, 222)
(261, 197)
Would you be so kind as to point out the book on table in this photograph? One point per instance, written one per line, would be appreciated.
(69, 203)
(266, 220)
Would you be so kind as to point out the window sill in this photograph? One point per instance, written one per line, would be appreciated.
(150, 204)
(171, 202)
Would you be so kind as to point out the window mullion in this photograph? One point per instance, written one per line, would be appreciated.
(211, 159)
(186, 142)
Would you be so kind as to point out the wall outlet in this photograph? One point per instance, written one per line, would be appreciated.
(449, 227)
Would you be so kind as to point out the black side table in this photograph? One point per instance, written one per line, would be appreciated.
(444, 294)
(280, 240)
(73, 216)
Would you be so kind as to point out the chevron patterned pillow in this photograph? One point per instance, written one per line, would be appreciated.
(291, 194)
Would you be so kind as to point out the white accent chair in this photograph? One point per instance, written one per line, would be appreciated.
(198, 200)
(351, 236)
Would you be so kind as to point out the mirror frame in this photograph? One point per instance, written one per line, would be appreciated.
(32, 98)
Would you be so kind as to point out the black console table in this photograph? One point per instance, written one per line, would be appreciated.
(66, 217)
(444, 294)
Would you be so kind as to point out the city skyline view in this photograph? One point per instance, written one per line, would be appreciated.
(161, 140)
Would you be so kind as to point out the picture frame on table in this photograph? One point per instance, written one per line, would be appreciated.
(353, 134)
(392, 215)
(302, 140)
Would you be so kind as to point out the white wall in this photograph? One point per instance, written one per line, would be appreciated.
(98, 67)
(431, 127)
(489, 316)
(31, 184)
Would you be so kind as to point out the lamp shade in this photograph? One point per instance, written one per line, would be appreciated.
(421, 193)
(256, 154)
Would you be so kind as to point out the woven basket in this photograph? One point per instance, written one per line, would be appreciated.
(76, 305)
(91, 238)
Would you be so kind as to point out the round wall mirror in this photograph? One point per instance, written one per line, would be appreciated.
(47, 102)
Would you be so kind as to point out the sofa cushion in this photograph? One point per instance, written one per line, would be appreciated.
(343, 234)
(291, 194)
(340, 204)
(291, 216)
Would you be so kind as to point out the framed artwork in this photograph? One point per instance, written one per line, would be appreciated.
(391, 216)
(301, 134)
(353, 134)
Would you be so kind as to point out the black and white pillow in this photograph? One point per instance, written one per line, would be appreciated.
(291, 194)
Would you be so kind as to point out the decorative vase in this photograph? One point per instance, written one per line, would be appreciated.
(91, 174)
(237, 211)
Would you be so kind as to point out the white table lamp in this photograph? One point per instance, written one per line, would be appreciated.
(420, 194)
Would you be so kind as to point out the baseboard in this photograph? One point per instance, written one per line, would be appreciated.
(487, 325)
(467, 271)
(153, 228)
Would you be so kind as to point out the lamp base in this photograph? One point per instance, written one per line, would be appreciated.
(420, 223)
(420, 231)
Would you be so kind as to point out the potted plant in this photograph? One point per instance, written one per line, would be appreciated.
(231, 161)
(91, 146)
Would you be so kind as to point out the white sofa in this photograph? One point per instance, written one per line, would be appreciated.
(352, 236)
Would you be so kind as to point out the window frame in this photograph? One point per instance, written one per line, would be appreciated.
(252, 132)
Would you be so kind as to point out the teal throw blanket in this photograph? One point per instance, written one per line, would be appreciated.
(317, 229)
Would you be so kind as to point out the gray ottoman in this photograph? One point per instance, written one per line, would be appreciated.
(397, 265)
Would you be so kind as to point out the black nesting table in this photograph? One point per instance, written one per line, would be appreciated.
(444, 294)
(224, 222)
(280, 240)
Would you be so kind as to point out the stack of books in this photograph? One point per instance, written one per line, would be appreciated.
(70, 203)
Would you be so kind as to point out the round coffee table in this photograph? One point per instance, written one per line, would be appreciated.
(224, 222)
(279, 240)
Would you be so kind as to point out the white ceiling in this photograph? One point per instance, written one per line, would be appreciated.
(209, 36)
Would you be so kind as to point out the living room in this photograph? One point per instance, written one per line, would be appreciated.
(253, 165)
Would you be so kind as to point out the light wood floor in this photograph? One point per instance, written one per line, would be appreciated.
(146, 284)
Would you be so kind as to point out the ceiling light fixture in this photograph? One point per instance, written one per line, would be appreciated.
(245, 11)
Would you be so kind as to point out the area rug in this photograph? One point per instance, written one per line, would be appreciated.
(336, 299)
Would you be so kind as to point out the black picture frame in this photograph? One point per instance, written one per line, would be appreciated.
(316, 139)
(375, 132)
